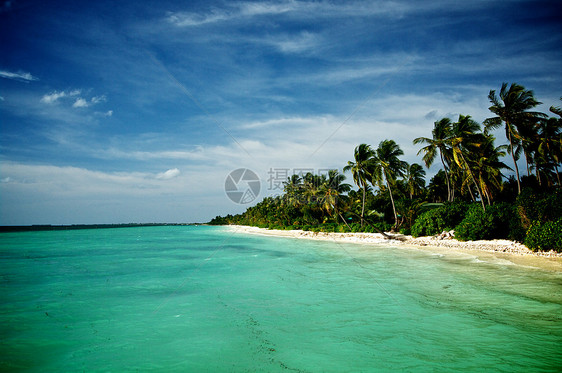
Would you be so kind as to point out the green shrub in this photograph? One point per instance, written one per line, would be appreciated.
(545, 236)
(477, 225)
(443, 218)
(355, 227)
(406, 231)
(533, 206)
(429, 223)
(506, 222)
(331, 227)
(382, 226)
(342, 228)
(499, 221)
(454, 213)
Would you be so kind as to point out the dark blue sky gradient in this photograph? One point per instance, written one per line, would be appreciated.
(99, 99)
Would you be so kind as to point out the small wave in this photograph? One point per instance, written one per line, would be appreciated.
(495, 261)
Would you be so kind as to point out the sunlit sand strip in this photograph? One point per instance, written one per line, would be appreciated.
(500, 250)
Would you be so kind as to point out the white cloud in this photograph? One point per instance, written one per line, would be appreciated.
(295, 44)
(108, 113)
(294, 9)
(289, 121)
(98, 99)
(80, 102)
(74, 181)
(237, 11)
(114, 153)
(51, 98)
(265, 8)
(47, 194)
(170, 174)
(184, 19)
(21, 76)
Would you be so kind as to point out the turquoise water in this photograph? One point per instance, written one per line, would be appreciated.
(205, 299)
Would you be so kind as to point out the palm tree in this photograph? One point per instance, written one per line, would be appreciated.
(311, 183)
(512, 107)
(415, 179)
(465, 142)
(528, 141)
(440, 141)
(332, 192)
(556, 110)
(386, 166)
(550, 143)
(293, 188)
(360, 171)
(488, 166)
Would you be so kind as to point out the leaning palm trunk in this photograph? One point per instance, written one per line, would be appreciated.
(474, 181)
(363, 208)
(392, 201)
(339, 214)
(514, 161)
(450, 194)
(478, 190)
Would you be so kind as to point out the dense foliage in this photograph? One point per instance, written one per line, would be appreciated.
(443, 218)
(469, 195)
(545, 236)
(498, 221)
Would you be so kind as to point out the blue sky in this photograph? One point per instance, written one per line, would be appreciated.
(136, 111)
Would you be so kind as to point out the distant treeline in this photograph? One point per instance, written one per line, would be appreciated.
(469, 194)
(47, 227)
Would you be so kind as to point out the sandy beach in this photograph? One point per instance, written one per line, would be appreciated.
(514, 252)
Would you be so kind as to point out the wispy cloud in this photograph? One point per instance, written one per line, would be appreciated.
(84, 195)
(170, 174)
(97, 99)
(80, 102)
(148, 155)
(295, 9)
(242, 10)
(287, 122)
(53, 97)
(295, 43)
(21, 76)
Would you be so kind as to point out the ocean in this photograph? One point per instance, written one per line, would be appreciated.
(209, 299)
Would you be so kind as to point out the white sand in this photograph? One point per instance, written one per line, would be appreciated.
(500, 249)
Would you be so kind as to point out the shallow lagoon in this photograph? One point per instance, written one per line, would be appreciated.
(210, 299)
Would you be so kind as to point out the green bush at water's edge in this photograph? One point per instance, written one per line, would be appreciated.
(443, 218)
(545, 236)
(477, 225)
(541, 207)
(499, 221)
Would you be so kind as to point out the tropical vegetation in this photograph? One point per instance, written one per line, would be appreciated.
(470, 194)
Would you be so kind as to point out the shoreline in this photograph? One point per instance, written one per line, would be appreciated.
(515, 252)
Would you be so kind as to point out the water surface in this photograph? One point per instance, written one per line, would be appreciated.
(209, 299)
